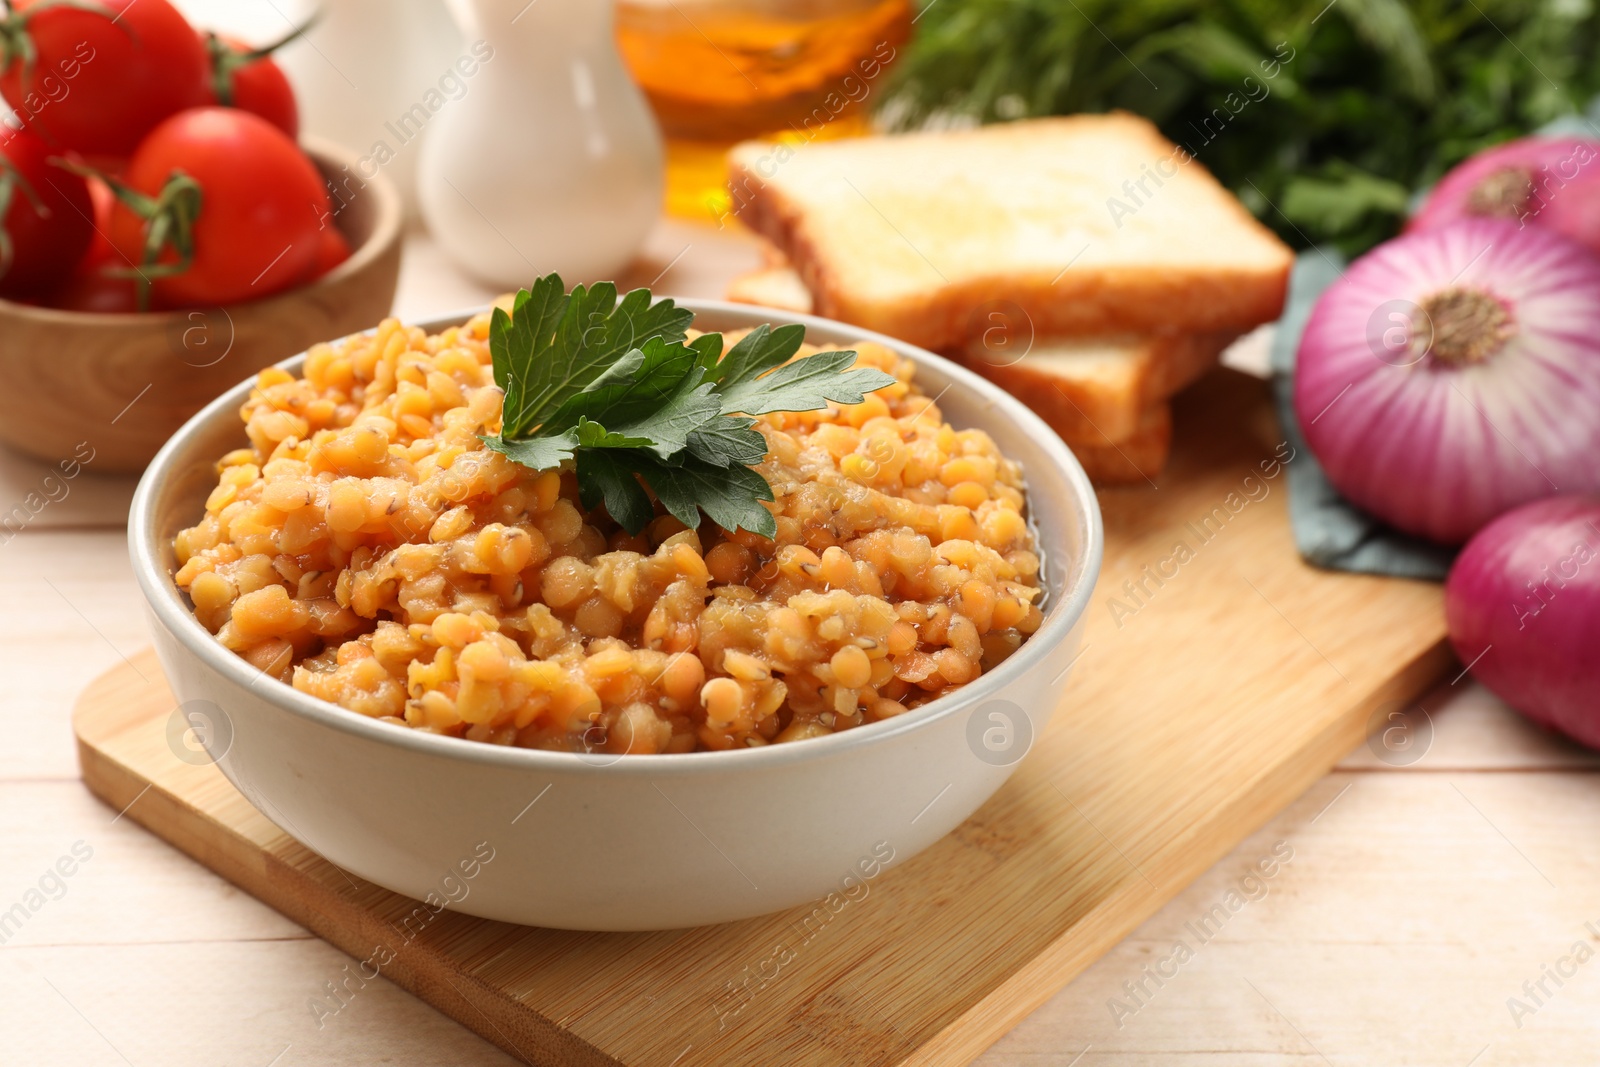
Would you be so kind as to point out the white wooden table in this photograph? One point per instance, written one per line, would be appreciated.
(1417, 901)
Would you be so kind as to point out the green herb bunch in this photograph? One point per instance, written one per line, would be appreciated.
(617, 388)
(1367, 100)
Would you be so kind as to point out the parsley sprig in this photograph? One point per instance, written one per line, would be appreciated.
(616, 387)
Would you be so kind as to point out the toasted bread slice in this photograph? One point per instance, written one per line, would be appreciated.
(1095, 389)
(773, 287)
(1135, 459)
(1087, 225)
(1088, 389)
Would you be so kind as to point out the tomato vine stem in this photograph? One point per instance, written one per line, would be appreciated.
(169, 219)
(226, 60)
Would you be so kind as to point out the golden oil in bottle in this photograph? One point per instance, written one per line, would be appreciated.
(721, 71)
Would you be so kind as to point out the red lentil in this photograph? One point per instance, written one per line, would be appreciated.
(367, 549)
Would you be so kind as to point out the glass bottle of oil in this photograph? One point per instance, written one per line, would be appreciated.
(720, 71)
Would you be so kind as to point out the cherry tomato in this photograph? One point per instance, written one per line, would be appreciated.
(46, 215)
(92, 290)
(261, 205)
(92, 287)
(332, 250)
(97, 83)
(258, 85)
(100, 251)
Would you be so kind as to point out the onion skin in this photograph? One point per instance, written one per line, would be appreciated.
(1523, 607)
(1566, 177)
(1437, 446)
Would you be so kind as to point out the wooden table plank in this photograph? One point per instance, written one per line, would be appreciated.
(1483, 735)
(201, 1004)
(69, 610)
(1395, 934)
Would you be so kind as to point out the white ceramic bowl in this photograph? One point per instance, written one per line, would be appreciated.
(631, 842)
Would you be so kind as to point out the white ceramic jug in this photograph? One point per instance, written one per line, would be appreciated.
(369, 73)
(552, 160)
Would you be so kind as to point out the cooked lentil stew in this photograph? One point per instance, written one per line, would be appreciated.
(369, 550)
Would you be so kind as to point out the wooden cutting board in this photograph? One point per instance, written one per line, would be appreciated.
(1213, 688)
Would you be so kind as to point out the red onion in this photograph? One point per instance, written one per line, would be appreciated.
(1548, 182)
(1453, 374)
(1523, 604)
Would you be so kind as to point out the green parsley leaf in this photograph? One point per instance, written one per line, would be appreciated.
(535, 453)
(631, 388)
(692, 407)
(728, 441)
(803, 385)
(512, 345)
(593, 435)
(614, 387)
(605, 477)
(664, 403)
(553, 345)
(730, 496)
(756, 353)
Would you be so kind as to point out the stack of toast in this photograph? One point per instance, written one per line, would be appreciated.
(1086, 264)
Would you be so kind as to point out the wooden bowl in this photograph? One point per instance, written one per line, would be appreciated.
(122, 384)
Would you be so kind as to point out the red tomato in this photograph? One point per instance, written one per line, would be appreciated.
(91, 288)
(98, 84)
(258, 86)
(46, 215)
(262, 204)
(94, 291)
(100, 251)
(332, 250)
